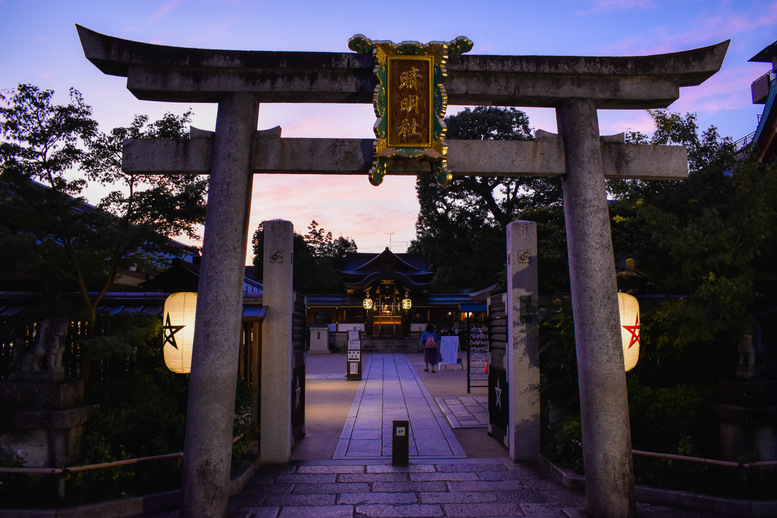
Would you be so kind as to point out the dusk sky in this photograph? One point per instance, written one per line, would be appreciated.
(39, 45)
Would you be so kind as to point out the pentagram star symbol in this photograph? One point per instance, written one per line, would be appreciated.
(298, 393)
(634, 331)
(498, 391)
(168, 332)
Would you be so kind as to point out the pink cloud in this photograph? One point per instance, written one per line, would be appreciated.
(542, 118)
(215, 31)
(705, 29)
(165, 8)
(604, 6)
(612, 122)
(319, 120)
(729, 89)
(344, 205)
(727, 25)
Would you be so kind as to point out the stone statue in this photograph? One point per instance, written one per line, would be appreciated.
(746, 350)
(756, 350)
(320, 320)
(49, 343)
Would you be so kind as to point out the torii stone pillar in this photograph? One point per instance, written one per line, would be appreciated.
(604, 403)
(213, 379)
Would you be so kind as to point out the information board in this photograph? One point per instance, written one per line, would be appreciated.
(449, 349)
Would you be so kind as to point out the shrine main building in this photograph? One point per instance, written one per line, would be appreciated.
(387, 295)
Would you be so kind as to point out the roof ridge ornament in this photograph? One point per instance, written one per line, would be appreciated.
(410, 101)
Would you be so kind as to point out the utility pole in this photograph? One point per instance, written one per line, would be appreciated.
(389, 234)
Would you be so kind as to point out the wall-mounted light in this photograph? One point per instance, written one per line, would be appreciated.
(178, 331)
(629, 320)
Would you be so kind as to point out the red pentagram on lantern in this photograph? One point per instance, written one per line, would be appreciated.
(634, 331)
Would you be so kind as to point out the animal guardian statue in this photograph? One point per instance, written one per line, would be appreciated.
(49, 344)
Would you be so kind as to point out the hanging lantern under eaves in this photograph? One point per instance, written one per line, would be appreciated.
(178, 331)
(629, 320)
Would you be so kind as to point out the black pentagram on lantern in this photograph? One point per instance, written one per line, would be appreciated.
(168, 332)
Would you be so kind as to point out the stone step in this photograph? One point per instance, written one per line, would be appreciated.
(390, 345)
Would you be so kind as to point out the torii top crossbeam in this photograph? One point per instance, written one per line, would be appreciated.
(163, 73)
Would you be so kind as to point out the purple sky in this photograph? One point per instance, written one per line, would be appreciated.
(39, 45)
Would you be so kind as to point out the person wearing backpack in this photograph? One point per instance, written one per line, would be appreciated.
(431, 347)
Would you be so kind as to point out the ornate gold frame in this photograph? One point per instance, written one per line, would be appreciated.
(430, 103)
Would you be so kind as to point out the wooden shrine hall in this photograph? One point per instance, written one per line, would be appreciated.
(387, 296)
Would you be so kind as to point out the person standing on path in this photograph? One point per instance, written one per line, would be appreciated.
(431, 347)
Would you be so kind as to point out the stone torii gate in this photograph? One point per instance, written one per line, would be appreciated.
(240, 80)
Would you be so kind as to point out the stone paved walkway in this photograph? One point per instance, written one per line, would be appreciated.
(463, 488)
(360, 482)
(465, 411)
(391, 390)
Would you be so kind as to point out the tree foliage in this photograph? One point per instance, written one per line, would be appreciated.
(171, 204)
(461, 227)
(709, 239)
(706, 244)
(48, 155)
(318, 259)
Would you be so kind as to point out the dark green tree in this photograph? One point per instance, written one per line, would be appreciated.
(706, 244)
(323, 245)
(461, 227)
(48, 154)
(39, 201)
(709, 239)
(173, 205)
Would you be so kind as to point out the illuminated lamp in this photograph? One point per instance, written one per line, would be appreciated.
(629, 320)
(178, 331)
(407, 303)
(367, 302)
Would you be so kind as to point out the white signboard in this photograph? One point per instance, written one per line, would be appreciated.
(449, 349)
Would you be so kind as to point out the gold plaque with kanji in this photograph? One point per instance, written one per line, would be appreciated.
(410, 101)
(410, 94)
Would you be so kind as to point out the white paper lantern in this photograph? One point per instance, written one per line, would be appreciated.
(367, 303)
(407, 303)
(629, 316)
(178, 331)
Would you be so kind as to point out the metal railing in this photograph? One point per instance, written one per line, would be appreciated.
(698, 460)
(744, 141)
(710, 462)
(87, 467)
(62, 473)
